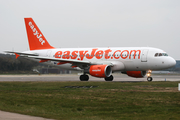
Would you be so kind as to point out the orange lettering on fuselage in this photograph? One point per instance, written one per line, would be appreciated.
(125, 55)
(106, 54)
(66, 55)
(74, 55)
(58, 54)
(99, 54)
(92, 54)
(82, 54)
(116, 54)
(135, 51)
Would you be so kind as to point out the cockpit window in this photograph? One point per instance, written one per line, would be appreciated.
(156, 55)
(164, 54)
(160, 54)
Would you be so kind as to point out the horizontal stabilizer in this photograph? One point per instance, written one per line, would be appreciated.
(20, 53)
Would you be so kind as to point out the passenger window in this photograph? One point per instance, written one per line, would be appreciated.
(160, 54)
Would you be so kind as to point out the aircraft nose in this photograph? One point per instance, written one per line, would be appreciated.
(172, 62)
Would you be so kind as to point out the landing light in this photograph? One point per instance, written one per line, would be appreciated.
(148, 74)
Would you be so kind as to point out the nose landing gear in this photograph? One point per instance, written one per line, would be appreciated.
(149, 78)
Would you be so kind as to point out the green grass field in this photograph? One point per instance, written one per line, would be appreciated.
(108, 101)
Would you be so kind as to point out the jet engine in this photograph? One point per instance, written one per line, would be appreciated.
(136, 74)
(101, 71)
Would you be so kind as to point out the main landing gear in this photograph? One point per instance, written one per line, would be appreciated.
(85, 77)
(110, 78)
(149, 78)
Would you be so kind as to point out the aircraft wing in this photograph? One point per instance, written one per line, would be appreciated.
(45, 59)
(73, 62)
(60, 60)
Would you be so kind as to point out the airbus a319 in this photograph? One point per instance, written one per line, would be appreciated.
(98, 62)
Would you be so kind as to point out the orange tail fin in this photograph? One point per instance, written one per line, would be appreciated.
(36, 39)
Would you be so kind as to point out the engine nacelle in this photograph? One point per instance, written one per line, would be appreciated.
(102, 71)
(136, 74)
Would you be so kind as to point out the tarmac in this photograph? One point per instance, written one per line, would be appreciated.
(16, 116)
(75, 77)
(71, 77)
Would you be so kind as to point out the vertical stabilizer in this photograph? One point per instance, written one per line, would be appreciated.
(36, 39)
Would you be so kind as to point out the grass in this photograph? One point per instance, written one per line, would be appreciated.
(108, 101)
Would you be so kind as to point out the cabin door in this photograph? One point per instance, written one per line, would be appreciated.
(144, 55)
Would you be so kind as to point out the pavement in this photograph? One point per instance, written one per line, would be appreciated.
(75, 77)
(15, 116)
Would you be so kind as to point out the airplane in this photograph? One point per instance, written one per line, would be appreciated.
(136, 62)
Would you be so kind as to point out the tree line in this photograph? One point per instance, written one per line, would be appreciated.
(9, 64)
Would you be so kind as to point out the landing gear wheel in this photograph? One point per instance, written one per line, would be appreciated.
(110, 78)
(149, 79)
(84, 78)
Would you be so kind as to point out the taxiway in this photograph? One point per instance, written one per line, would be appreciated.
(75, 77)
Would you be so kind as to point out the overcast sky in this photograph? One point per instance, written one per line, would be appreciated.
(93, 23)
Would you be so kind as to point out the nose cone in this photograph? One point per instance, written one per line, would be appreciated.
(171, 62)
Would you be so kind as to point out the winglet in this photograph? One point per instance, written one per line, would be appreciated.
(36, 39)
(16, 55)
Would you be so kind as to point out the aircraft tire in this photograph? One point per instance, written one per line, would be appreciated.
(110, 78)
(149, 79)
(84, 77)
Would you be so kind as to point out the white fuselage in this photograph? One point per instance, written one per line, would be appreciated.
(122, 58)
